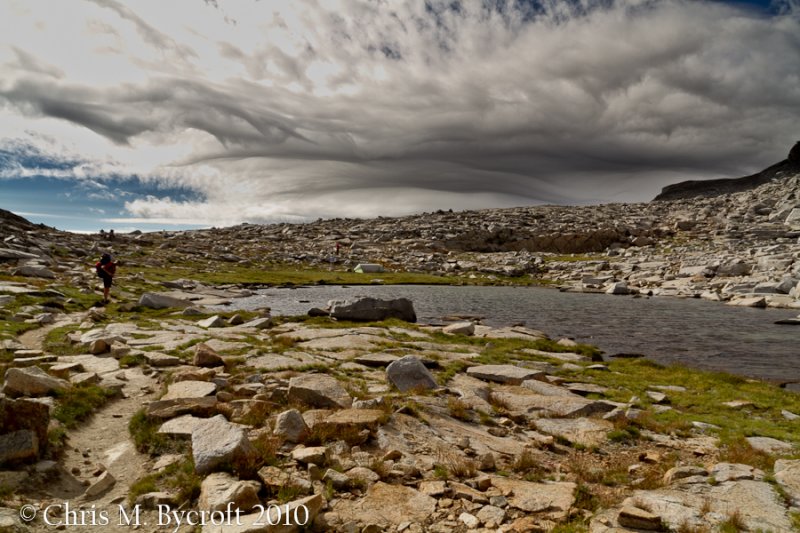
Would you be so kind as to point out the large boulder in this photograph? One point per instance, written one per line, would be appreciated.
(218, 442)
(34, 271)
(24, 414)
(319, 390)
(32, 381)
(373, 309)
(155, 300)
(21, 445)
(409, 373)
(219, 490)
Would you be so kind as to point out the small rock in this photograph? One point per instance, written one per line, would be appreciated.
(636, 518)
(205, 356)
(103, 484)
(460, 328)
(409, 373)
(471, 521)
(215, 321)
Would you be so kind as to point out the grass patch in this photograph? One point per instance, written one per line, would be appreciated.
(738, 450)
(146, 438)
(178, 479)
(76, 404)
(702, 401)
(458, 409)
(57, 343)
(453, 464)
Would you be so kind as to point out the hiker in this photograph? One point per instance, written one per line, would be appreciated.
(106, 268)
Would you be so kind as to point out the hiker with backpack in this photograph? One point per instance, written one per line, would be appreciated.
(106, 268)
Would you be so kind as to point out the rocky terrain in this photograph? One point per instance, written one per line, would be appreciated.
(390, 425)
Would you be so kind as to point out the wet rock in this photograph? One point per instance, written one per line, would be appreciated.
(408, 373)
(373, 310)
(32, 381)
(319, 390)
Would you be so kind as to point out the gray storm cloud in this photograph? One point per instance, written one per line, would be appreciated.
(330, 108)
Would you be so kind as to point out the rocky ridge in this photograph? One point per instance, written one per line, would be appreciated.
(739, 248)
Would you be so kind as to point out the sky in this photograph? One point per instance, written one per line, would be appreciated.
(196, 113)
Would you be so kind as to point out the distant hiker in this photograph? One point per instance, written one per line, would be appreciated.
(338, 247)
(106, 268)
(111, 235)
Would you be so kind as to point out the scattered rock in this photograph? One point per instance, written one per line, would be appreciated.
(32, 381)
(319, 390)
(291, 426)
(408, 373)
(511, 374)
(220, 489)
(217, 442)
(205, 356)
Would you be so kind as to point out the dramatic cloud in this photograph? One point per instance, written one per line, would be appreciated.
(277, 110)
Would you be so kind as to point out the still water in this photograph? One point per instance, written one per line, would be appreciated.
(693, 332)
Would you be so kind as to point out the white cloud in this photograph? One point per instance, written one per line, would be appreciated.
(279, 110)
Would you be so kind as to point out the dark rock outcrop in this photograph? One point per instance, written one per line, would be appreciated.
(709, 188)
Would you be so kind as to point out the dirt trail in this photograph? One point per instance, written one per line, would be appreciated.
(101, 443)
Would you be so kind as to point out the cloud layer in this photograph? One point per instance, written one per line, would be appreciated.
(274, 110)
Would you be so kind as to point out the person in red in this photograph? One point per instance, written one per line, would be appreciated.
(106, 268)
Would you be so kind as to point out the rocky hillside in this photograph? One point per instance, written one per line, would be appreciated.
(741, 248)
(691, 189)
